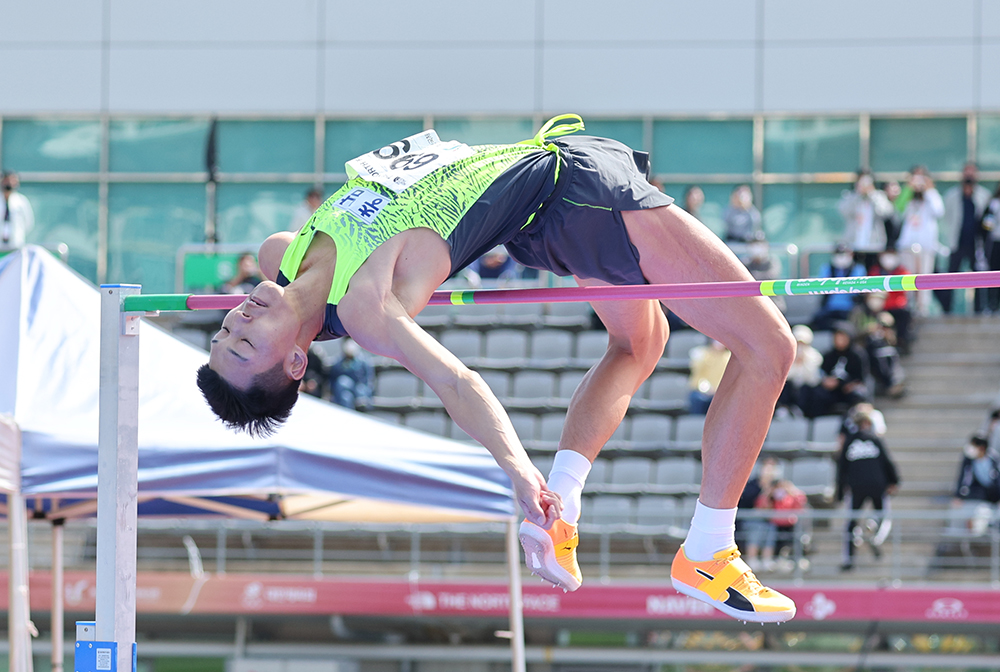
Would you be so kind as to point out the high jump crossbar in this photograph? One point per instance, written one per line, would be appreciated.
(695, 290)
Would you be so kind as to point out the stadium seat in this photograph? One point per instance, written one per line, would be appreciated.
(524, 425)
(814, 475)
(499, 382)
(631, 474)
(567, 315)
(434, 317)
(680, 343)
(656, 511)
(688, 433)
(532, 388)
(549, 430)
(649, 431)
(506, 348)
(789, 435)
(568, 382)
(825, 435)
(599, 472)
(667, 391)
(429, 421)
(463, 343)
(476, 315)
(611, 510)
(590, 347)
(551, 348)
(396, 389)
(680, 475)
(521, 314)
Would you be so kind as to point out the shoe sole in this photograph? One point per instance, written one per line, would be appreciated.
(746, 617)
(540, 556)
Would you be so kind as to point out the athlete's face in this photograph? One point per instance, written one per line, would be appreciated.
(255, 336)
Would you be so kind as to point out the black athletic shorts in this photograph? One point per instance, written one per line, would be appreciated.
(579, 229)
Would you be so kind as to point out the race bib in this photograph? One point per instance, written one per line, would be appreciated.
(403, 163)
(363, 203)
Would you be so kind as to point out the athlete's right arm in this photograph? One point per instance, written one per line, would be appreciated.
(381, 324)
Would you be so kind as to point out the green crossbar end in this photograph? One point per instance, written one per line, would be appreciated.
(148, 303)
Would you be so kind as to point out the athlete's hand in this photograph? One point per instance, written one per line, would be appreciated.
(541, 506)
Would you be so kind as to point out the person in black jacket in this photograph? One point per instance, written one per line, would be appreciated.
(979, 476)
(844, 371)
(866, 470)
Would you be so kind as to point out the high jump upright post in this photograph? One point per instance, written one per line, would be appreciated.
(109, 642)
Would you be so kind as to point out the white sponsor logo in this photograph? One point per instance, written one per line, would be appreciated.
(427, 601)
(947, 608)
(862, 450)
(820, 607)
(676, 605)
(256, 594)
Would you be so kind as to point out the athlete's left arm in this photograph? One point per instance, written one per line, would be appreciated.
(381, 322)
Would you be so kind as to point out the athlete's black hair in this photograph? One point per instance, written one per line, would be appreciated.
(258, 410)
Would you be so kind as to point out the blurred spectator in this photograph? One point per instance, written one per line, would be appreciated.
(352, 377)
(762, 264)
(992, 432)
(496, 266)
(979, 475)
(866, 470)
(880, 343)
(896, 303)
(864, 409)
(314, 381)
(741, 217)
(918, 238)
(804, 374)
(894, 220)
(247, 276)
(752, 532)
(991, 219)
(694, 198)
(305, 209)
(867, 217)
(837, 307)
(17, 218)
(708, 363)
(844, 370)
(964, 207)
(978, 487)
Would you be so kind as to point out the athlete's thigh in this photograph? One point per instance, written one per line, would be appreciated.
(630, 324)
(674, 247)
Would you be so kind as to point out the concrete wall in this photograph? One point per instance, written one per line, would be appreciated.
(623, 57)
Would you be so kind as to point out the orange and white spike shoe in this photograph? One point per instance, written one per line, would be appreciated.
(728, 584)
(551, 554)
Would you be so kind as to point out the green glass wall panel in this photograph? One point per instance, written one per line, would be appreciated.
(811, 145)
(805, 214)
(146, 225)
(622, 130)
(716, 202)
(56, 146)
(988, 141)
(266, 146)
(66, 214)
(485, 131)
(703, 147)
(346, 140)
(899, 144)
(162, 146)
(249, 213)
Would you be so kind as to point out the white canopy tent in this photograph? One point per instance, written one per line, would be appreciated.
(326, 463)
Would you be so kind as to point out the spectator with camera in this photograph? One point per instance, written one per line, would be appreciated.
(918, 237)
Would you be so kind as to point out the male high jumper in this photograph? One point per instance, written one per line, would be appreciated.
(418, 211)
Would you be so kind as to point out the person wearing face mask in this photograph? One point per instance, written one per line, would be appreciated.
(896, 303)
(762, 264)
(919, 234)
(978, 487)
(837, 307)
(964, 206)
(990, 224)
(352, 377)
(741, 217)
(865, 210)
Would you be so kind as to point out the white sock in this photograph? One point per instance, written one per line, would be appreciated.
(712, 530)
(567, 477)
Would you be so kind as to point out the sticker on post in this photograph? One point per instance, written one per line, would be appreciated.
(403, 163)
(103, 659)
(364, 204)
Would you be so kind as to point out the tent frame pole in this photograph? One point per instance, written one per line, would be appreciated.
(58, 595)
(117, 476)
(516, 599)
